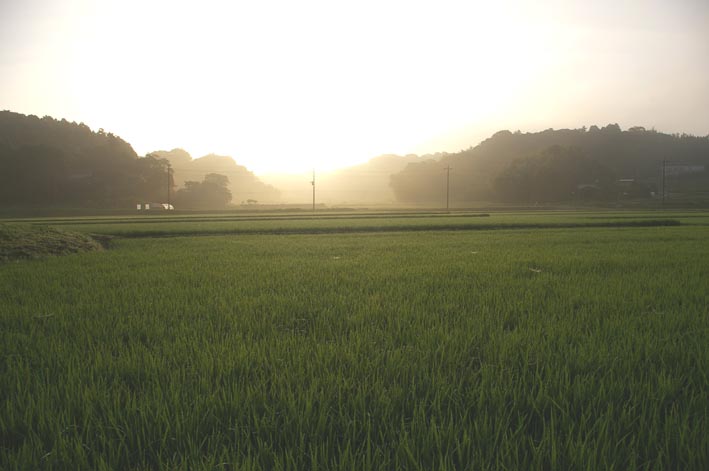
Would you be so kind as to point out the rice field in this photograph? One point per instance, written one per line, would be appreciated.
(507, 341)
(240, 224)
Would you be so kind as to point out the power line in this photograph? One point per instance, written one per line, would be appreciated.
(664, 162)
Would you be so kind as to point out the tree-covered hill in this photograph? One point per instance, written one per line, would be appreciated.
(46, 162)
(575, 160)
(50, 163)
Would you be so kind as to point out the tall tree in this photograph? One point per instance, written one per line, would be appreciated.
(211, 193)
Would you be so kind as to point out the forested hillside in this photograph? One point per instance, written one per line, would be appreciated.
(46, 162)
(561, 165)
(50, 163)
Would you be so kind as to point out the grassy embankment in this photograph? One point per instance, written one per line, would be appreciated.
(24, 241)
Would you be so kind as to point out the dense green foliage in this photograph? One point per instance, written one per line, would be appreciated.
(50, 163)
(520, 165)
(513, 349)
(21, 241)
(557, 174)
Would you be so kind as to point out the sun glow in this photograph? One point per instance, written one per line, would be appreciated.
(287, 86)
(283, 87)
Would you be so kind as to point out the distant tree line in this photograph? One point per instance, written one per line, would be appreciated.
(46, 162)
(241, 182)
(212, 192)
(567, 165)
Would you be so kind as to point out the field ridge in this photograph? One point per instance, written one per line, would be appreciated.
(400, 228)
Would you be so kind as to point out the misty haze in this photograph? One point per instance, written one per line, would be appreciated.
(354, 235)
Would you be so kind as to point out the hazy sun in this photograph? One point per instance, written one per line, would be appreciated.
(287, 86)
(290, 85)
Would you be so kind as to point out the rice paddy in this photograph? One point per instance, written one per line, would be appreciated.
(507, 341)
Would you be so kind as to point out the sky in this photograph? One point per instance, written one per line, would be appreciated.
(285, 86)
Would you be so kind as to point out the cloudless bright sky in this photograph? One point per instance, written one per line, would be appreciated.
(283, 86)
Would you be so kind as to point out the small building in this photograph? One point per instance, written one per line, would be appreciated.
(675, 169)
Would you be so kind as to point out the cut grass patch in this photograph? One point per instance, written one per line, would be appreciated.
(19, 241)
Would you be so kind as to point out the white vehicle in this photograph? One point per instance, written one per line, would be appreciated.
(155, 207)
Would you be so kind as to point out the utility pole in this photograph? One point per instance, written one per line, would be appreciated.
(169, 170)
(313, 183)
(663, 182)
(448, 187)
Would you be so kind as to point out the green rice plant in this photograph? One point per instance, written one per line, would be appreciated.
(556, 348)
(317, 225)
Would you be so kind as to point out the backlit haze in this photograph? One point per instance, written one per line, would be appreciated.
(284, 86)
